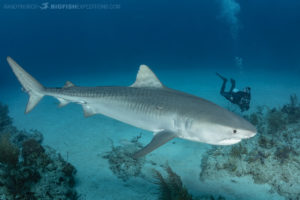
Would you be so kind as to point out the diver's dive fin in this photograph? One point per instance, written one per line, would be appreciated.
(159, 139)
(222, 77)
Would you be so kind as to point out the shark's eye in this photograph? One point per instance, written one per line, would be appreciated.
(234, 131)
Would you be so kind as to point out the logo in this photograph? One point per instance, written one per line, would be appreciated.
(44, 6)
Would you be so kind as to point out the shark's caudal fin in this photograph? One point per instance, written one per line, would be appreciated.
(30, 84)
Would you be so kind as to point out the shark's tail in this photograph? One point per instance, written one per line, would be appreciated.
(30, 84)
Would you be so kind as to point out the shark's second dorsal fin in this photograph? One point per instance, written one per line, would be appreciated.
(68, 84)
(146, 78)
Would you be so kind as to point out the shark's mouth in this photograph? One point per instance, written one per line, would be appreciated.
(229, 141)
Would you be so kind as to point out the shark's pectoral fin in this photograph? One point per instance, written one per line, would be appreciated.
(158, 140)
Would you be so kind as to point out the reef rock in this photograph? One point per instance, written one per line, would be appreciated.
(28, 170)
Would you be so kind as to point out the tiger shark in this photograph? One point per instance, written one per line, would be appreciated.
(149, 105)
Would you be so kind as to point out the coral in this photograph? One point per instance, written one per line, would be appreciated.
(33, 152)
(238, 150)
(293, 100)
(230, 166)
(210, 197)
(9, 153)
(57, 177)
(254, 119)
(265, 143)
(20, 180)
(28, 170)
(276, 121)
(171, 188)
(257, 118)
(257, 156)
(292, 110)
(283, 154)
(5, 120)
(42, 174)
(20, 136)
(121, 162)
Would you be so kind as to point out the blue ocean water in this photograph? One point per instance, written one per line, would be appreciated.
(184, 43)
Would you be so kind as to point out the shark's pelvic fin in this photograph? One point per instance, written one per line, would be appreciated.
(146, 78)
(159, 139)
(30, 84)
(87, 110)
(62, 102)
(68, 84)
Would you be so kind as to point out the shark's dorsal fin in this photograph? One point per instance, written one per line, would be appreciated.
(146, 78)
(68, 84)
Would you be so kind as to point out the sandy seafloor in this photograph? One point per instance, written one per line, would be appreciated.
(83, 141)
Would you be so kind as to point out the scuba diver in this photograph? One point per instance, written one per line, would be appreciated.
(240, 98)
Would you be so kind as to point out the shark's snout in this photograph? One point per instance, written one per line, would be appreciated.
(253, 134)
(248, 130)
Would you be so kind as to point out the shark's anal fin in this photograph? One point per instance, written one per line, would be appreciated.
(158, 140)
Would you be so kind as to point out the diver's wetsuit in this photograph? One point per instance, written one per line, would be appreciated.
(240, 98)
